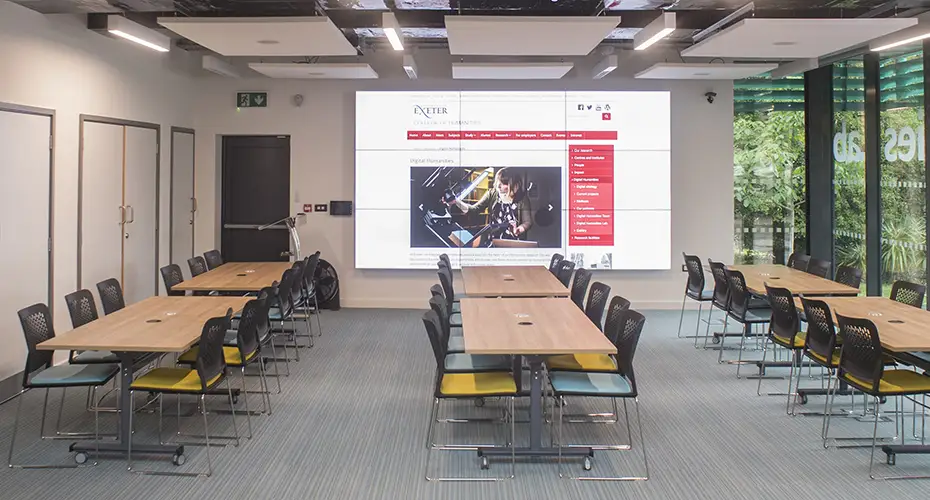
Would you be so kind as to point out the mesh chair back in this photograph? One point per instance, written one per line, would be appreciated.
(565, 272)
(555, 263)
(721, 284)
(36, 321)
(445, 258)
(849, 276)
(171, 275)
(597, 301)
(214, 259)
(739, 294)
(210, 359)
(262, 323)
(312, 263)
(862, 350)
(785, 321)
(433, 327)
(247, 333)
(800, 261)
(615, 311)
(791, 259)
(819, 267)
(285, 299)
(821, 332)
(908, 293)
(111, 295)
(626, 339)
(438, 305)
(81, 307)
(445, 279)
(580, 286)
(197, 265)
(695, 286)
(436, 291)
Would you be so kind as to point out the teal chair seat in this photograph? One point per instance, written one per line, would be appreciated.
(456, 332)
(274, 314)
(456, 307)
(94, 357)
(456, 344)
(590, 384)
(458, 362)
(74, 375)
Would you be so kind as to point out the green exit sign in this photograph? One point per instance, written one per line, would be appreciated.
(252, 99)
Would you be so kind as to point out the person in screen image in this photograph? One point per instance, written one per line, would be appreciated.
(508, 205)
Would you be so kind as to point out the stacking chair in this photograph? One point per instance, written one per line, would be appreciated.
(721, 296)
(282, 309)
(744, 310)
(262, 326)
(908, 293)
(436, 291)
(555, 264)
(694, 290)
(586, 362)
(444, 262)
(819, 267)
(849, 276)
(213, 258)
(861, 366)
(454, 344)
(459, 362)
(83, 310)
(208, 373)
(197, 265)
(597, 301)
(798, 261)
(464, 385)
(171, 275)
(39, 373)
(784, 331)
(309, 292)
(821, 345)
(247, 351)
(445, 279)
(565, 272)
(580, 287)
(111, 295)
(300, 298)
(617, 384)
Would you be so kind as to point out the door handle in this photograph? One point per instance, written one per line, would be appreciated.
(193, 204)
(132, 214)
(122, 215)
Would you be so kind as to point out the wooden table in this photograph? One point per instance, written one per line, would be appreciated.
(799, 282)
(511, 281)
(236, 277)
(157, 324)
(530, 327)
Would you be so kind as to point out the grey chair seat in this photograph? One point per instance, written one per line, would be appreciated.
(704, 296)
(758, 303)
(458, 362)
(456, 332)
(94, 357)
(757, 316)
(456, 344)
(456, 308)
(591, 384)
(74, 375)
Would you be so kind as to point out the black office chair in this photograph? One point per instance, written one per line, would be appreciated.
(720, 296)
(849, 276)
(580, 287)
(597, 301)
(565, 272)
(171, 275)
(83, 310)
(908, 293)
(784, 331)
(694, 290)
(799, 261)
(819, 267)
(214, 259)
(554, 264)
(197, 265)
(111, 295)
(741, 310)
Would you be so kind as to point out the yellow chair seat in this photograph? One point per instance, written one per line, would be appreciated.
(834, 360)
(786, 341)
(230, 353)
(582, 362)
(171, 380)
(477, 384)
(895, 382)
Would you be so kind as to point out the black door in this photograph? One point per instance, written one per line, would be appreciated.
(256, 191)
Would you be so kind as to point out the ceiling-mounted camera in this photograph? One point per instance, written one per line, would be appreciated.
(710, 96)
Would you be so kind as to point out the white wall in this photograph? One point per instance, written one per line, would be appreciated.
(55, 62)
(322, 169)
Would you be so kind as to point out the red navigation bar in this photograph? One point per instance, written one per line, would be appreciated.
(513, 135)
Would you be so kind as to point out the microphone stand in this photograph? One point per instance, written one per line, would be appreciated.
(291, 223)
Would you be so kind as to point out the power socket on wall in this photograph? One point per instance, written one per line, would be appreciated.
(319, 207)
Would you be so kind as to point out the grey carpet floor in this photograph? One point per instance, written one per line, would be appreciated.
(352, 419)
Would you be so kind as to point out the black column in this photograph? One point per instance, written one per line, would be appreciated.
(873, 177)
(818, 123)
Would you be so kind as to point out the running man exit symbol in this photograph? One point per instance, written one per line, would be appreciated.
(252, 99)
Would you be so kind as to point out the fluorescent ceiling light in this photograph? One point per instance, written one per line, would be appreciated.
(658, 29)
(219, 66)
(794, 67)
(410, 67)
(134, 32)
(911, 37)
(604, 67)
(391, 30)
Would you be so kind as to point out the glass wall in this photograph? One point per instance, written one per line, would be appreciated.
(901, 91)
(768, 169)
(849, 164)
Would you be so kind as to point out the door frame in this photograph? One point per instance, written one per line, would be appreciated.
(50, 113)
(80, 184)
(192, 132)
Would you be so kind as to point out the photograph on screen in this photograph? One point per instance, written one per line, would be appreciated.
(485, 207)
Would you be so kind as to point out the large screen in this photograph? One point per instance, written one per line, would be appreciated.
(510, 178)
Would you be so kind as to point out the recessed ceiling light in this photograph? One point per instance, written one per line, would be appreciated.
(784, 44)
(703, 73)
(316, 73)
(268, 42)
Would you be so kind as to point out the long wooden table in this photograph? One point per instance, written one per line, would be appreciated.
(156, 324)
(799, 282)
(511, 281)
(530, 327)
(236, 277)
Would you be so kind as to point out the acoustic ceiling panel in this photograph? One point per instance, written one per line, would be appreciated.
(299, 71)
(527, 36)
(510, 71)
(703, 71)
(265, 36)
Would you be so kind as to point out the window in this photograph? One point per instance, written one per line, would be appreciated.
(768, 169)
(903, 167)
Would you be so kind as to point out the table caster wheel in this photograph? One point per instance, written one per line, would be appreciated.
(890, 459)
(479, 402)
(178, 459)
(716, 339)
(485, 463)
(587, 463)
(80, 458)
